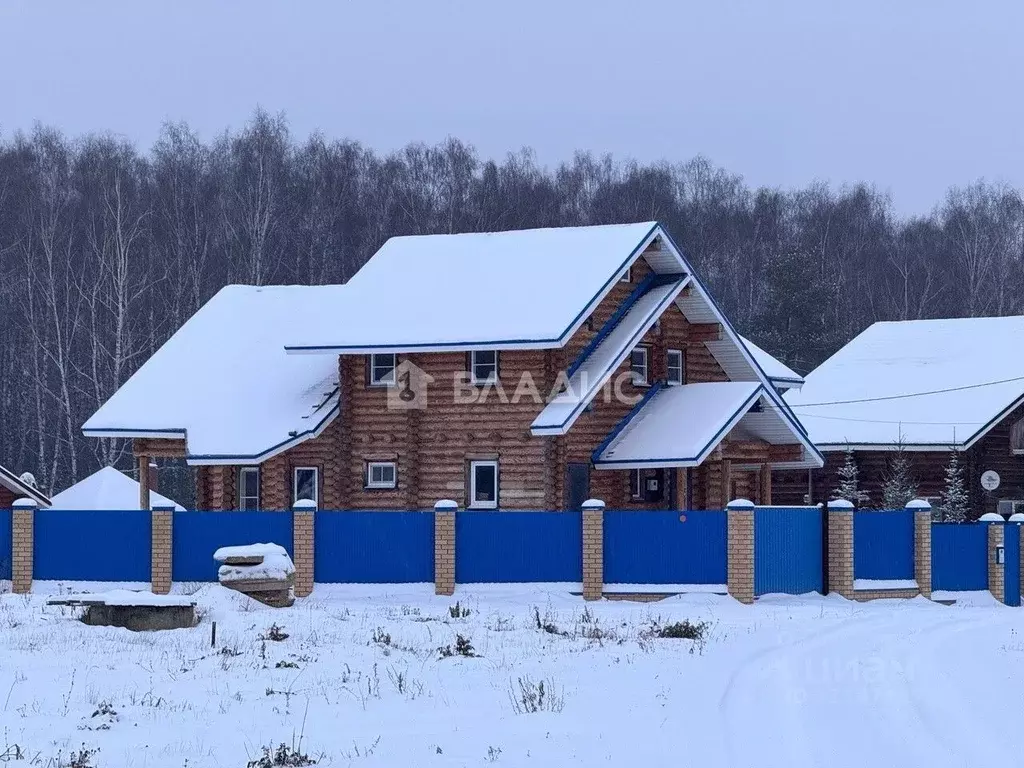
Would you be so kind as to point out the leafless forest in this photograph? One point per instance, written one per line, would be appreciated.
(106, 250)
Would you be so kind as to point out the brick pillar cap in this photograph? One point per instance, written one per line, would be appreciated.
(304, 505)
(991, 517)
(740, 504)
(918, 504)
(446, 505)
(840, 505)
(593, 504)
(1016, 517)
(164, 508)
(25, 504)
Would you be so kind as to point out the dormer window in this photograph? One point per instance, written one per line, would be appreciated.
(483, 366)
(638, 365)
(675, 367)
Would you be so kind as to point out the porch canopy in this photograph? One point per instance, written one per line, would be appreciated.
(681, 426)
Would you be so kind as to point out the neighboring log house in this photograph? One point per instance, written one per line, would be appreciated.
(518, 370)
(13, 487)
(933, 385)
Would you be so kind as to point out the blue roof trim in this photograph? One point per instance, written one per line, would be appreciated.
(659, 309)
(715, 439)
(642, 288)
(774, 396)
(655, 389)
(497, 342)
(133, 429)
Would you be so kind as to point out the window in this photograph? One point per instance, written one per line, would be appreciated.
(381, 474)
(638, 365)
(484, 366)
(306, 484)
(634, 485)
(382, 370)
(627, 275)
(676, 367)
(483, 484)
(249, 488)
(1017, 437)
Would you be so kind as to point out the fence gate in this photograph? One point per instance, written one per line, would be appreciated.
(1011, 568)
(787, 550)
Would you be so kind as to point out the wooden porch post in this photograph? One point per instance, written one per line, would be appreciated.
(766, 485)
(144, 482)
(681, 489)
(726, 492)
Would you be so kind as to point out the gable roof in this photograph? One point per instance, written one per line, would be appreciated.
(107, 489)
(778, 373)
(16, 485)
(225, 383)
(597, 366)
(520, 289)
(938, 383)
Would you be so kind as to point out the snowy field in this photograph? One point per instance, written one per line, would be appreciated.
(375, 677)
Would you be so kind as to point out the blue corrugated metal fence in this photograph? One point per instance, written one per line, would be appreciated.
(959, 556)
(367, 547)
(787, 550)
(6, 542)
(512, 547)
(92, 545)
(197, 535)
(883, 544)
(661, 547)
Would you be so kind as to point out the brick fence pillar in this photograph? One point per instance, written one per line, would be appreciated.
(593, 549)
(444, 547)
(840, 547)
(161, 549)
(922, 545)
(23, 522)
(996, 570)
(740, 542)
(303, 546)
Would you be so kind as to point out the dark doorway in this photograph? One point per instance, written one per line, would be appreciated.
(577, 484)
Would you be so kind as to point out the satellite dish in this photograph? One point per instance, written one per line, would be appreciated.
(990, 480)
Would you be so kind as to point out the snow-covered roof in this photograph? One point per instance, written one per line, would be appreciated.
(520, 289)
(780, 374)
(558, 415)
(938, 383)
(108, 489)
(225, 383)
(16, 485)
(681, 425)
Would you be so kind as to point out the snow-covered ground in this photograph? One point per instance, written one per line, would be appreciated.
(359, 680)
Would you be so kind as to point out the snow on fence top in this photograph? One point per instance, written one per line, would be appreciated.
(935, 382)
(498, 289)
(225, 381)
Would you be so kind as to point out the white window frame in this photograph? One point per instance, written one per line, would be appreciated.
(381, 484)
(387, 381)
(627, 276)
(636, 490)
(242, 472)
(316, 484)
(681, 366)
(475, 503)
(493, 378)
(638, 379)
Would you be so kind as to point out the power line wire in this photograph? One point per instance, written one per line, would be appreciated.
(904, 396)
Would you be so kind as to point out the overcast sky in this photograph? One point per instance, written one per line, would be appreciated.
(913, 95)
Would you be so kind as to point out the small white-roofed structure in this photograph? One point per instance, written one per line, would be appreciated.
(110, 489)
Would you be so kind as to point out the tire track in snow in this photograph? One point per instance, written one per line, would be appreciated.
(819, 701)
